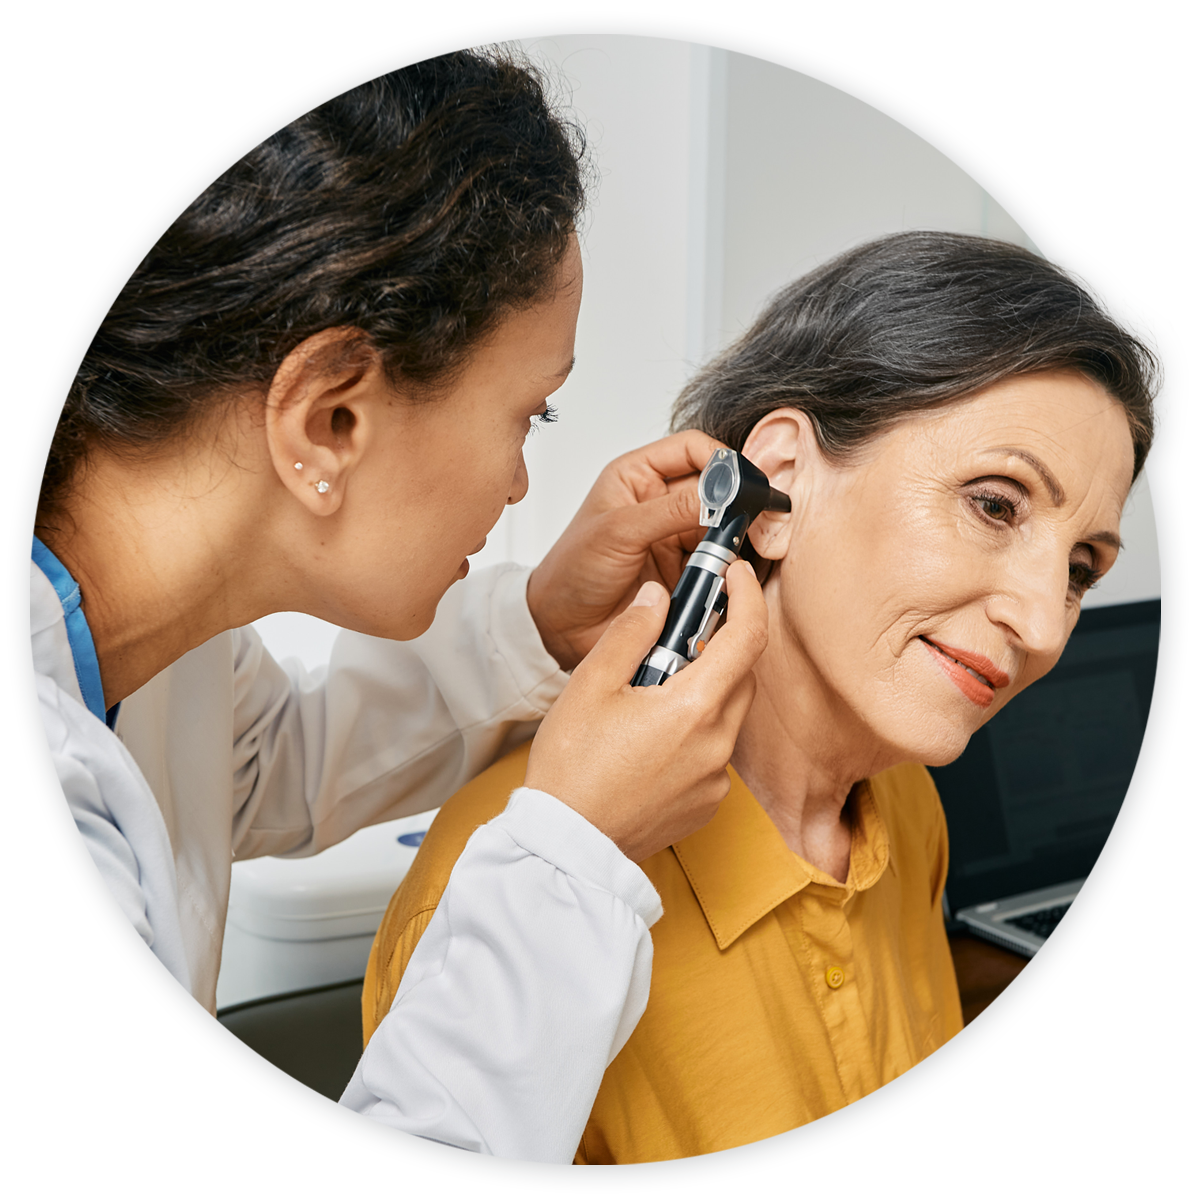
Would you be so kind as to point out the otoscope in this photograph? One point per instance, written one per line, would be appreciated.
(733, 491)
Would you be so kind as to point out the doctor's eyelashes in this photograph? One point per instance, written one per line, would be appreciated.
(547, 416)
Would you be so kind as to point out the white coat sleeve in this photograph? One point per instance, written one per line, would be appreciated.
(527, 982)
(531, 978)
(392, 728)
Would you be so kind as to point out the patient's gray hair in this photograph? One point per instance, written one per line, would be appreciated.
(909, 322)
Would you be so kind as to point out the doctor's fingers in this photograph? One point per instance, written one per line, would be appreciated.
(648, 470)
(613, 660)
(636, 528)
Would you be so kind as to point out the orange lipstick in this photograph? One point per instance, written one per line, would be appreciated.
(975, 675)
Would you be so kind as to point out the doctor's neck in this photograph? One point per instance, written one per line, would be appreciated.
(173, 548)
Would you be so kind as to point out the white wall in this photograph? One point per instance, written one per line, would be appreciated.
(983, 84)
(635, 98)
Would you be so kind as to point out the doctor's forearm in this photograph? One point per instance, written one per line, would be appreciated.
(528, 981)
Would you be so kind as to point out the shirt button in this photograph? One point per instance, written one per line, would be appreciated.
(835, 977)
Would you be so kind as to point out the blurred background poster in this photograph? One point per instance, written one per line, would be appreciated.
(1096, 141)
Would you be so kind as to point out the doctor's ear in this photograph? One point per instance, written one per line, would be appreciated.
(782, 446)
(321, 414)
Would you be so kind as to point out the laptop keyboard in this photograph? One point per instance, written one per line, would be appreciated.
(1132, 924)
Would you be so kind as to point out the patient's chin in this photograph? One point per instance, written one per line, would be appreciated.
(907, 728)
(943, 757)
(933, 746)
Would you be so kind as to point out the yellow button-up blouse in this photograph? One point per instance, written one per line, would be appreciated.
(778, 994)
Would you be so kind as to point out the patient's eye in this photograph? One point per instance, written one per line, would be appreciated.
(1082, 577)
(995, 505)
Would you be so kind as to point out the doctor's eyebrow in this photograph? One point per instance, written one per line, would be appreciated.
(561, 374)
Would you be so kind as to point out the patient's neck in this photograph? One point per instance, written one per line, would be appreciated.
(801, 751)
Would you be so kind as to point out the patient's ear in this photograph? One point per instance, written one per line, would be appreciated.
(782, 445)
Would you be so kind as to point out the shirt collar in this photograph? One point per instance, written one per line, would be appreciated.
(79, 636)
(740, 868)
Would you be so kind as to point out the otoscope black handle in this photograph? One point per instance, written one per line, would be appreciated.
(697, 605)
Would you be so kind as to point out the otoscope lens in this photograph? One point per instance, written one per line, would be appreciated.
(718, 484)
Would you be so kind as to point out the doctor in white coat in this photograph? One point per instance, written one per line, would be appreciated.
(312, 396)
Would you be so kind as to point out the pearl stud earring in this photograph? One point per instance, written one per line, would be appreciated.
(299, 466)
(322, 486)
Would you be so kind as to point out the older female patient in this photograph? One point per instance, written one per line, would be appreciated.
(957, 424)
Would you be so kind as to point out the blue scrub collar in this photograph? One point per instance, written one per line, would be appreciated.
(83, 649)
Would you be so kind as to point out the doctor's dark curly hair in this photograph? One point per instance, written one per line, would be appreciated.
(418, 209)
(909, 322)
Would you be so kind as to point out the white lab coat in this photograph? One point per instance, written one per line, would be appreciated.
(537, 964)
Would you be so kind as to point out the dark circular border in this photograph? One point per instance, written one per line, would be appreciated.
(901, 1092)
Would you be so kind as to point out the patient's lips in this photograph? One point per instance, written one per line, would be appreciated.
(975, 675)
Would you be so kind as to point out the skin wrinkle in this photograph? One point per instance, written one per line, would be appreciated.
(894, 547)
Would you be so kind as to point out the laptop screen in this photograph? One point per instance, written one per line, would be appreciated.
(1031, 801)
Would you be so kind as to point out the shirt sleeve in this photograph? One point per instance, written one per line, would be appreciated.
(390, 728)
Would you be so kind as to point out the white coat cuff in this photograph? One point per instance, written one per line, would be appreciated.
(535, 670)
(546, 827)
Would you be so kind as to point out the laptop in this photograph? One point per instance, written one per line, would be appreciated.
(1031, 801)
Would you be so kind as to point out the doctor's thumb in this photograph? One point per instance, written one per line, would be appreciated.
(630, 636)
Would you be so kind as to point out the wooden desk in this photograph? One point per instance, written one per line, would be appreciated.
(1080, 1073)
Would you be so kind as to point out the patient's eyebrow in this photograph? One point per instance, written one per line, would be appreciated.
(1106, 539)
(1057, 495)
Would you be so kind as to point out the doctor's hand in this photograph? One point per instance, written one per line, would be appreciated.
(646, 765)
(639, 523)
